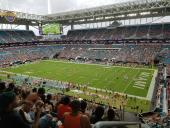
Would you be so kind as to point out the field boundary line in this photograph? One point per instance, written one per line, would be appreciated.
(152, 85)
(98, 64)
(130, 83)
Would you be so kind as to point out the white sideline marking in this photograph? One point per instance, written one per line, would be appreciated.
(107, 67)
(55, 61)
(152, 85)
(138, 87)
(140, 82)
(141, 85)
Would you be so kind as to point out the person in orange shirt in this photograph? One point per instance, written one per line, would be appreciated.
(75, 119)
(63, 107)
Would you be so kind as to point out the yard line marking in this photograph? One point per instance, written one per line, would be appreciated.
(138, 87)
(141, 85)
(130, 82)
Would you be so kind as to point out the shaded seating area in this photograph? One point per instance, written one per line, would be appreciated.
(12, 36)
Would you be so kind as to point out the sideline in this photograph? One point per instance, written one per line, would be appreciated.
(106, 66)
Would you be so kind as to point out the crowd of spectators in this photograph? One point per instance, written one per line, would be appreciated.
(154, 31)
(168, 85)
(12, 36)
(141, 54)
(17, 55)
(26, 107)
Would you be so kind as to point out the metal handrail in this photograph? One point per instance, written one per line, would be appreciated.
(103, 124)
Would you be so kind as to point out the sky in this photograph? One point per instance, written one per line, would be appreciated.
(44, 7)
(67, 5)
(28, 6)
(55, 6)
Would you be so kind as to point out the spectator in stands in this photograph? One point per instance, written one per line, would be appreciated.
(97, 115)
(75, 119)
(25, 93)
(2, 87)
(48, 101)
(41, 94)
(111, 115)
(63, 107)
(17, 91)
(83, 105)
(167, 118)
(25, 112)
(34, 90)
(9, 118)
(46, 121)
(37, 96)
(11, 87)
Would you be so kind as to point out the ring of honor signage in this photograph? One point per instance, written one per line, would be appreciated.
(9, 16)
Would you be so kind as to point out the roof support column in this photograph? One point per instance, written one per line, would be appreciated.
(27, 26)
(61, 29)
(72, 25)
(40, 28)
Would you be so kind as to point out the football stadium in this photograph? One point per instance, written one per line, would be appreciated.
(85, 64)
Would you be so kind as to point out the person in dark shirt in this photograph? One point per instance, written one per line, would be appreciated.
(111, 115)
(13, 120)
(83, 106)
(2, 86)
(11, 87)
(48, 101)
(97, 115)
(9, 118)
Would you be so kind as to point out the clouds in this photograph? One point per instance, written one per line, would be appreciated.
(28, 6)
(68, 5)
(63, 5)
(94, 3)
(41, 6)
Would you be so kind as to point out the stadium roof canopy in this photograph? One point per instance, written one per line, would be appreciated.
(122, 11)
(126, 10)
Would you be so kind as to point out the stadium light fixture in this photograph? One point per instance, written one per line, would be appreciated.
(33, 22)
(132, 14)
(145, 13)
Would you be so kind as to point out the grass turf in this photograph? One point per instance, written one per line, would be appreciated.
(119, 79)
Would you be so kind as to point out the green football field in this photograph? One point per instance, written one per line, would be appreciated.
(133, 81)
